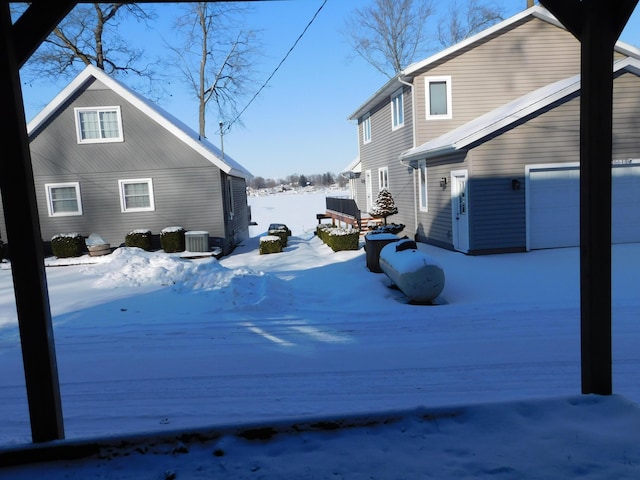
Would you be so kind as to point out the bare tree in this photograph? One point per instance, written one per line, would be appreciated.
(89, 35)
(390, 34)
(463, 22)
(215, 57)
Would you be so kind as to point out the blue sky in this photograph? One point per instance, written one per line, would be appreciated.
(298, 123)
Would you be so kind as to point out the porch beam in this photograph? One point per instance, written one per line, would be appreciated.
(27, 257)
(35, 25)
(597, 24)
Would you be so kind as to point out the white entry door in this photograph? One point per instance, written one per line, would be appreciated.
(460, 210)
(369, 189)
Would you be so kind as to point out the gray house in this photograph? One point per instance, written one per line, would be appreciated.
(107, 161)
(479, 144)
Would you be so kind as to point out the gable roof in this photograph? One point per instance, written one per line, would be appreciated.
(503, 117)
(412, 70)
(177, 128)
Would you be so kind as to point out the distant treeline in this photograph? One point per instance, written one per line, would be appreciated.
(297, 180)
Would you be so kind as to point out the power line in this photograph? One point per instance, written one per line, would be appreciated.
(315, 15)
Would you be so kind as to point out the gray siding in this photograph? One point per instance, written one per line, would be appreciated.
(497, 216)
(184, 200)
(435, 225)
(497, 213)
(383, 151)
(187, 188)
(503, 67)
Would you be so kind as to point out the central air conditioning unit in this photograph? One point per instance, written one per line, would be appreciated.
(195, 241)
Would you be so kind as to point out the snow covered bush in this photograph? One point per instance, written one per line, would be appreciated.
(67, 245)
(172, 239)
(384, 205)
(393, 228)
(343, 239)
(280, 231)
(339, 238)
(139, 238)
(270, 244)
(322, 231)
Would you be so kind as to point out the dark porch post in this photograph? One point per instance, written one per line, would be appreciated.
(597, 24)
(23, 230)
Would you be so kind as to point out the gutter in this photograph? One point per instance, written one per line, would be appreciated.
(406, 158)
(415, 173)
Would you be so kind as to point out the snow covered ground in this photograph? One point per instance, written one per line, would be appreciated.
(488, 379)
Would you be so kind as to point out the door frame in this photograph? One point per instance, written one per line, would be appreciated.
(460, 224)
(368, 182)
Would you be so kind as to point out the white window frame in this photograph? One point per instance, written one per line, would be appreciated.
(397, 109)
(78, 110)
(427, 82)
(423, 188)
(49, 187)
(383, 178)
(366, 128)
(131, 181)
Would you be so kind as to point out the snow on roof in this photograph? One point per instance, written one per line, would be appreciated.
(354, 167)
(480, 128)
(179, 129)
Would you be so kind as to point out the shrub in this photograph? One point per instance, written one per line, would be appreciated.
(139, 238)
(394, 228)
(322, 231)
(282, 233)
(384, 205)
(270, 244)
(67, 245)
(172, 239)
(343, 239)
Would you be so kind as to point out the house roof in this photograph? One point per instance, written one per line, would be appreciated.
(407, 75)
(485, 126)
(179, 129)
(354, 166)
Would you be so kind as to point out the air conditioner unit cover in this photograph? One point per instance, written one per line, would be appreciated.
(196, 241)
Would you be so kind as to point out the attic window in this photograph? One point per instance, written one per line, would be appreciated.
(438, 97)
(98, 125)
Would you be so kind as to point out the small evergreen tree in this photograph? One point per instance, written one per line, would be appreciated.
(384, 205)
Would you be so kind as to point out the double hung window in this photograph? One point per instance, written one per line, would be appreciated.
(136, 195)
(397, 110)
(366, 128)
(63, 199)
(98, 125)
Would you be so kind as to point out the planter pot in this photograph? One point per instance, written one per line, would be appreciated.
(98, 250)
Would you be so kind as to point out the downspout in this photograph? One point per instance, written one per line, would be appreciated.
(414, 173)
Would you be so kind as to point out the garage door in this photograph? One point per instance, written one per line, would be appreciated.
(553, 206)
